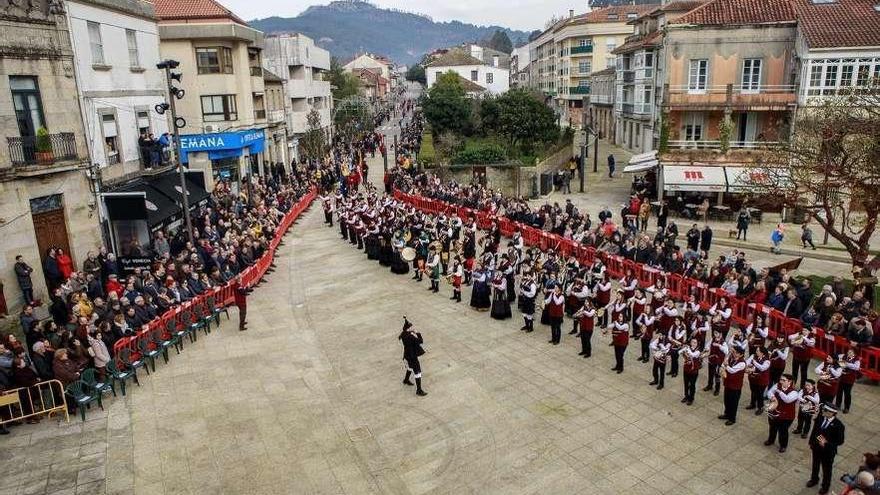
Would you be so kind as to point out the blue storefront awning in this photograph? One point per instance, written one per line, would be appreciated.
(223, 144)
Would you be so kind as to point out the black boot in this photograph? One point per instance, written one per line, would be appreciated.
(525, 324)
(406, 378)
(419, 390)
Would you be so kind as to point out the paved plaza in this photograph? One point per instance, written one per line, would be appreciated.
(309, 401)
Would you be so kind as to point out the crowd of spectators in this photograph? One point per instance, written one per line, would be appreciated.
(839, 308)
(92, 308)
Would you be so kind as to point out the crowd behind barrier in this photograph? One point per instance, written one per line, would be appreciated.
(680, 287)
(190, 312)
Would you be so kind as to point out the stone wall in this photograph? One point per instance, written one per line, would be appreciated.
(510, 179)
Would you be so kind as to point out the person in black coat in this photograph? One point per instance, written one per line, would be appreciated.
(23, 274)
(412, 349)
(693, 238)
(51, 270)
(706, 239)
(826, 436)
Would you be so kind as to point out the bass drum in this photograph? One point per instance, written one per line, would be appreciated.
(408, 254)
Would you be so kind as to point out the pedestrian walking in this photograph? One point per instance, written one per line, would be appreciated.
(611, 164)
(412, 349)
(807, 236)
(776, 238)
(23, 274)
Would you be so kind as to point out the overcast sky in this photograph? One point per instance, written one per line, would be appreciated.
(516, 14)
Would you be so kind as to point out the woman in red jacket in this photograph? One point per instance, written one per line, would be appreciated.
(65, 264)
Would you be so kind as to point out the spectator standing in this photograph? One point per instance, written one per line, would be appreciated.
(706, 238)
(65, 264)
(743, 219)
(51, 270)
(611, 164)
(23, 275)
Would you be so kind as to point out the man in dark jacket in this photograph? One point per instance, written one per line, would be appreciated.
(23, 274)
(51, 270)
(792, 307)
(412, 349)
(706, 239)
(827, 435)
(693, 238)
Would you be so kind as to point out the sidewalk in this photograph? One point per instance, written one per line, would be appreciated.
(601, 191)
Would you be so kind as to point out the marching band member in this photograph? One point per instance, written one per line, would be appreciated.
(637, 305)
(658, 293)
(756, 333)
(828, 375)
(456, 273)
(691, 310)
(778, 354)
(469, 250)
(851, 364)
(603, 294)
(721, 309)
(433, 267)
(701, 329)
(480, 299)
(507, 268)
(660, 351)
(808, 407)
(620, 339)
(412, 349)
(328, 210)
(628, 284)
(619, 307)
(802, 344)
(666, 315)
(528, 289)
(554, 303)
(693, 361)
(677, 338)
(732, 374)
(500, 306)
(827, 435)
(758, 369)
(737, 340)
(645, 323)
(784, 400)
(586, 318)
(577, 293)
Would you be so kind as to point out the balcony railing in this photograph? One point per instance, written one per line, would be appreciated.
(257, 71)
(635, 108)
(276, 116)
(23, 150)
(601, 99)
(579, 90)
(739, 145)
(736, 96)
(113, 159)
(576, 50)
(259, 114)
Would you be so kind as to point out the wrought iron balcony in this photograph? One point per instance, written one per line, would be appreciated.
(26, 150)
(575, 50)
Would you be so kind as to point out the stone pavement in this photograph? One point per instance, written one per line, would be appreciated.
(309, 401)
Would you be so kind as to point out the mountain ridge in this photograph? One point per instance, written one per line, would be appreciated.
(349, 27)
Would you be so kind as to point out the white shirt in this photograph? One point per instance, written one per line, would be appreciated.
(758, 365)
(530, 290)
(832, 370)
(788, 398)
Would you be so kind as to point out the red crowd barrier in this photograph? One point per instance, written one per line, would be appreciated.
(681, 288)
(223, 296)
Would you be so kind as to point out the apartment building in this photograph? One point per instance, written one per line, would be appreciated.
(302, 65)
(47, 196)
(225, 109)
(567, 53)
(116, 49)
(276, 131)
(519, 66)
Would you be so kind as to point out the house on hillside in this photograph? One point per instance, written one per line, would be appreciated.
(375, 63)
(373, 85)
(484, 67)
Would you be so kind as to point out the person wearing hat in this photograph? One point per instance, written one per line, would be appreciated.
(412, 348)
(433, 267)
(827, 435)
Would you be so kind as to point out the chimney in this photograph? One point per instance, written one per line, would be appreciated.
(494, 60)
(570, 13)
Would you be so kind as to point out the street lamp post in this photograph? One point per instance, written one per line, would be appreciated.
(174, 94)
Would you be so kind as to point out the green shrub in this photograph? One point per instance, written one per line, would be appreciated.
(44, 144)
(427, 154)
(480, 153)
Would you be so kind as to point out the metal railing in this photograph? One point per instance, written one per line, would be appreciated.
(113, 159)
(579, 90)
(736, 89)
(23, 150)
(28, 402)
(605, 99)
(710, 144)
(581, 49)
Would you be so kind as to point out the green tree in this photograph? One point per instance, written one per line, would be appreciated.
(354, 116)
(525, 120)
(344, 84)
(416, 73)
(501, 42)
(447, 107)
(313, 144)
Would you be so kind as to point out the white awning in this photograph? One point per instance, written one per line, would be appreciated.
(640, 167)
(748, 179)
(650, 156)
(695, 178)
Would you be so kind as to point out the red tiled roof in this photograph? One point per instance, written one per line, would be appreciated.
(617, 13)
(681, 5)
(193, 9)
(727, 12)
(650, 39)
(844, 24)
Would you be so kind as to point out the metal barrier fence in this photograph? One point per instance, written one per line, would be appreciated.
(28, 402)
(680, 287)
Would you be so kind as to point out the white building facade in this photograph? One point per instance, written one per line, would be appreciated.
(116, 49)
(302, 66)
(487, 68)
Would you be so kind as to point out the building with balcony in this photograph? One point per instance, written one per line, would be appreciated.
(116, 49)
(276, 123)
(839, 59)
(489, 69)
(303, 66)
(569, 52)
(46, 195)
(730, 61)
(601, 110)
(225, 108)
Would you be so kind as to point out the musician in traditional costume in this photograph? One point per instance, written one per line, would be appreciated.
(691, 310)
(507, 270)
(456, 275)
(732, 373)
(718, 352)
(399, 265)
(701, 329)
(802, 344)
(828, 375)
(637, 304)
(433, 268)
(480, 295)
(628, 284)
(619, 339)
(851, 365)
(328, 210)
(469, 251)
(784, 401)
(528, 290)
(692, 356)
(677, 339)
(548, 287)
(412, 349)
(660, 352)
(618, 307)
(758, 371)
(500, 305)
(808, 399)
(666, 315)
(724, 311)
(645, 333)
(756, 334)
(586, 318)
(602, 296)
(421, 255)
(778, 354)
(554, 304)
(371, 241)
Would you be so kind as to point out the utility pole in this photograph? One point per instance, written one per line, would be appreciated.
(174, 94)
(585, 147)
